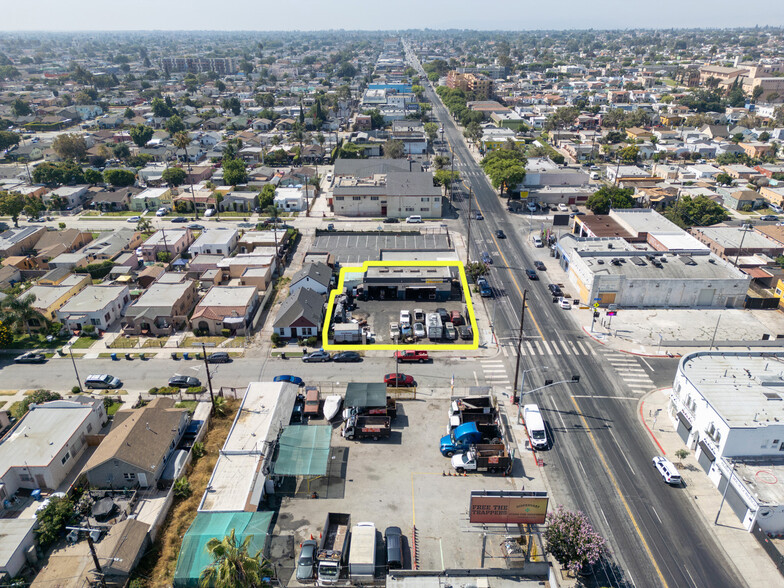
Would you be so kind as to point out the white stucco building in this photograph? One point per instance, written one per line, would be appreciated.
(728, 407)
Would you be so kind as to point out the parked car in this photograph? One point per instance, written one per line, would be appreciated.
(318, 355)
(393, 538)
(414, 218)
(500, 234)
(532, 275)
(398, 380)
(179, 219)
(565, 304)
(405, 318)
(456, 318)
(209, 212)
(133, 219)
(102, 382)
(442, 314)
(486, 259)
(299, 409)
(667, 470)
(184, 381)
(391, 220)
(219, 357)
(290, 379)
(419, 315)
(465, 332)
(412, 356)
(394, 330)
(307, 560)
(30, 357)
(346, 356)
(562, 207)
(769, 217)
(162, 211)
(540, 266)
(419, 330)
(485, 291)
(555, 289)
(537, 242)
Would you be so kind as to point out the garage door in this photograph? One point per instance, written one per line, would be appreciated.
(732, 498)
(705, 458)
(684, 427)
(705, 297)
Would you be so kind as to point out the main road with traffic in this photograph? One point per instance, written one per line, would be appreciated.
(600, 459)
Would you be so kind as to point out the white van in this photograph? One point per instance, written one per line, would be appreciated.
(414, 218)
(538, 242)
(535, 426)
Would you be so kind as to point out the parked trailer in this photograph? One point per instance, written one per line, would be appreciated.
(435, 328)
(492, 457)
(363, 427)
(362, 558)
(332, 550)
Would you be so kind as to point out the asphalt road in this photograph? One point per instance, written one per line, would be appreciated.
(600, 461)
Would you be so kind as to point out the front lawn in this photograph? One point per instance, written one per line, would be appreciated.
(197, 341)
(35, 341)
(83, 343)
(188, 404)
(124, 343)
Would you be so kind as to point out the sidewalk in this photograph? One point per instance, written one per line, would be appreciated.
(739, 546)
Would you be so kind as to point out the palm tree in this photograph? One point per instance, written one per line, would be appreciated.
(20, 311)
(181, 141)
(233, 566)
(144, 225)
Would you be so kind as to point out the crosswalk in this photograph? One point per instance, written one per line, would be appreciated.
(630, 371)
(494, 372)
(543, 347)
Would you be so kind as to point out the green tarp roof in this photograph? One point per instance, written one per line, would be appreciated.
(303, 451)
(194, 557)
(373, 395)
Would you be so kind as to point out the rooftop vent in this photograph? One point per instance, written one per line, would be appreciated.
(772, 396)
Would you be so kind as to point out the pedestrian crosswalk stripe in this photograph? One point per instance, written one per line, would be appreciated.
(580, 345)
(573, 348)
(538, 347)
(556, 347)
(493, 370)
(547, 347)
(530, 348)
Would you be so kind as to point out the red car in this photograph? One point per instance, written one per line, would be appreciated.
(412, 356)
(456, 318)
(398, 380)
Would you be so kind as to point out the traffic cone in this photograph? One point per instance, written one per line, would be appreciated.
(311, 536)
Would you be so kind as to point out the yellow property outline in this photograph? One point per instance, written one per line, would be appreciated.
(401, 347)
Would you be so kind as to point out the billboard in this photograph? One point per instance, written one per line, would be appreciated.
(508, 507)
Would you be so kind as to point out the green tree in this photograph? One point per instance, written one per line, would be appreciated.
(563, 117)
(394, 149)
(757, 92)
(220, 406)
(350, 150)
(376, 118)
(174, 176)
(141, 134)
(505, 168)
(234, 171)
(144, 225)
(445, 177)
(607, 197)
(70, 146)
(119, 177)
(441, 162)
(629, 154)
(53, 519)
(11, 205)
(93, 176)
(129, 114)
(174, 125)
(163, 256)
(696, 212)
(724, 179)
(20, 108)
(473, 132)
(233, 566)
(7, 138)
(182, 488)
(6, 338)
(37, 397)
(232, 104)
(161, 109)
(764, 136)
(121, 151)
(267, 196)
(431, 130)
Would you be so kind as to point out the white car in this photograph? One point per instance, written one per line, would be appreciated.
(133, 219)
(414, 218)
(565, 304)
(419, 330)
(562, 207)
(405, 318)
(162, 211)
(394, 331)
(667, 470)
(209, 212)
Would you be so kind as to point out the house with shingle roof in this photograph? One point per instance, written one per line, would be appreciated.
(300, 315)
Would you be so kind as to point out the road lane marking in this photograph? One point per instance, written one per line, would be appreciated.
(620, 494)
(621, 451)
(646, 363)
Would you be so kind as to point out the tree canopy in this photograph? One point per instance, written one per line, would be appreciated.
(141, 134)
(505, 168)
(571, 539)
(174, 176)
(234, 171)
(119, 177)
(607, 197)
(7, 138)
(394, 149)
(700, 211)
(70, 146)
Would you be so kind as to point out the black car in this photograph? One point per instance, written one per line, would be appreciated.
(218, 357)
(555, 289)
(540, 266)
(443, 314)
(179, 219)
(390, 220)
(532, 275)
(184, 381)
(346, 356)
(30, 357)
(465, 332)
(196, 227)
(393, 538)
(500, 234)
(299, 409)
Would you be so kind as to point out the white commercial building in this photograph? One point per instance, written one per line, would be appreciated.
(728, 407)
(245, 462)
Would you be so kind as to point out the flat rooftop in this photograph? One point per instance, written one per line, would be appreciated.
(351, 248)
(403, 273)
(643, 220)
(764, 478)
(745, 388)
(232, 482)
(731, 238)
(603, 225)
(228, 296)
(93, 298)
(265, 409)
(162, 294)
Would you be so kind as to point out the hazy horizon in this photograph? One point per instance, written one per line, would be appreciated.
(313, 15)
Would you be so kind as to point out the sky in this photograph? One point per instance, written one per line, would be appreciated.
(266, 15)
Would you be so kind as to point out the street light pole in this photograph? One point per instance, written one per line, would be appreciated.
(519, 346)
(73, 361)
(522, 388)
(209, 377)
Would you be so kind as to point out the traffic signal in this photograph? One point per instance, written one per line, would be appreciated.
(548, 382)
(575, 378)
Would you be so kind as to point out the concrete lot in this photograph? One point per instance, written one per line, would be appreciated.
(380, 313)
(358, 247)
(400, 481)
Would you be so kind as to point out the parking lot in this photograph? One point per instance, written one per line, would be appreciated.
(400, 481)
(379, 313)
(351, 248)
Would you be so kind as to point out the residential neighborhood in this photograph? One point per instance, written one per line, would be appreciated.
(520, 242)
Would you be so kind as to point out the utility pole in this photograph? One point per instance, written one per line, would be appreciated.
(73, 361)
(468, 242)
(519, 346)
(209, 377)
